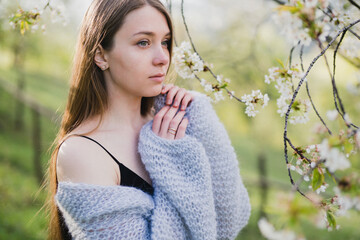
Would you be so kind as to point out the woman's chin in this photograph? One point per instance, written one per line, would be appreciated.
(155, 91)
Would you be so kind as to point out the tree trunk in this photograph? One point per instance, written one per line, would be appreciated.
(36, 138)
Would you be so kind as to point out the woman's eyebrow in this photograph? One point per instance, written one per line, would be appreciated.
(149, 33)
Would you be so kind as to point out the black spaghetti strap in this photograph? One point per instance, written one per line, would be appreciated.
(101, 147)
(128, 176)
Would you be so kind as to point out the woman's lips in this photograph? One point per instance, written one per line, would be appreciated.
(158, 77)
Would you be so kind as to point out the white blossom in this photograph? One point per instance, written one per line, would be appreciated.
(186, 62)
(332, 115)
(273, 74)
(208, 88)
(269, 232)
(311, 3)
(292, 28)
(254, 99)
(322, 188)
(354, 88)
(284, 85)
(350, 47)
(321, 220)
(345, 203)
(300, 116)
(334, 159)
(219, 96)
(313, 164)
(12, 25)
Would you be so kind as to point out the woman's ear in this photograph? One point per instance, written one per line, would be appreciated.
(100, 59)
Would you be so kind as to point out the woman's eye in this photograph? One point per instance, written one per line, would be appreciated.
(143, 43)
(166, 43)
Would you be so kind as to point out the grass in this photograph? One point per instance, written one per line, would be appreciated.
(19, 201)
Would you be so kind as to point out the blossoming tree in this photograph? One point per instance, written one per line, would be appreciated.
(332, 26)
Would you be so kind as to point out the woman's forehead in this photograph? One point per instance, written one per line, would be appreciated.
(145, 20)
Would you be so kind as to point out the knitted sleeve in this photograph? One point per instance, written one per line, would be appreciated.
(231, 199)
(180, 170)
(105, 212)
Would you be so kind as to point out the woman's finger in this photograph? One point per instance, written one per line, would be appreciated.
(158, 118)
(174, 125)
(186, 101)
(171, 94)
(182, 128)
(166, 87)
(179, 97)
(168, 117)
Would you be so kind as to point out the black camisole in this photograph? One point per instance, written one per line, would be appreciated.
(128, 178)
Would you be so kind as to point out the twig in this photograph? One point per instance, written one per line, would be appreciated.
(335, 90)
(337, 99)
(357, 65)
(48, 5)
(308, 91)
(193, 46)
(297, 91)
(290, 62)
(169, 5)
(279, 2)
(297, 151)
(230, 93)
(354, 4)
(300, 180)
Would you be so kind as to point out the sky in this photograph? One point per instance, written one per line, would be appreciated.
(202, 15)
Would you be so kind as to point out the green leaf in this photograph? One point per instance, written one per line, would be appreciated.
(287, 8)
(317, 180)
(334, 141)
(26, 26)
(331, 219)
(332, 177)
(224, 85)
(348, 147)
(22, 28)
(280, 62)
(296, 106)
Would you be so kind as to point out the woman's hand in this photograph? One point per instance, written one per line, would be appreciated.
(167, 123)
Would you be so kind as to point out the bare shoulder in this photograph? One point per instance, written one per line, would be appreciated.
(81, 160)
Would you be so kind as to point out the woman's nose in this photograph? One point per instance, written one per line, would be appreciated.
(161, 56)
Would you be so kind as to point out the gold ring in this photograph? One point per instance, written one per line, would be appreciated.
(172, 131)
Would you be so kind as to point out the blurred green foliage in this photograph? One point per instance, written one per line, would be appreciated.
(236, 52)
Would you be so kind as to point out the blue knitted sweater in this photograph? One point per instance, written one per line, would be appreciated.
(198, 191)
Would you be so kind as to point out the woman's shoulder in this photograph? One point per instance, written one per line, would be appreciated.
(80, 160)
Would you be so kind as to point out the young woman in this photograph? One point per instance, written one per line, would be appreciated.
(134, 158)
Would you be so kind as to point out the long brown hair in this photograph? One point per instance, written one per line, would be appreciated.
(88, 95)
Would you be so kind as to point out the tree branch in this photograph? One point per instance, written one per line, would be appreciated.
(279, 2)
(308, 91)
(297, 91)
(354, 4)
(193, 46)
(335, 90)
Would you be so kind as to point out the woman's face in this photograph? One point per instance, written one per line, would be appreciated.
(139, 58)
